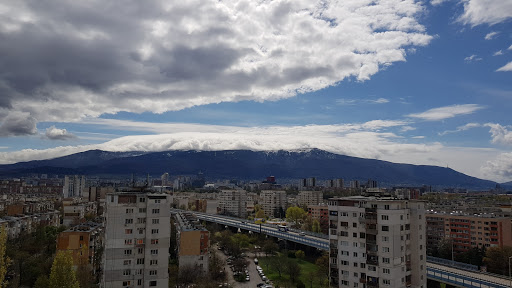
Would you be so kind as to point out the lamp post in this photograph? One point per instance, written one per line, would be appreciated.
(509, 271)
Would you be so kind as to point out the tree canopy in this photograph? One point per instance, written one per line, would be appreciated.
(295, 214)
(63, 275)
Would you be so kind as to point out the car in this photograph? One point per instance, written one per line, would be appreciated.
(264, 278)
(247, 278)
(258, 267)
(256, 261)
(302, 234)
(260, 284)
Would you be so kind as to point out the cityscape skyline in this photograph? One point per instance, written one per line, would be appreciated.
(402, 81)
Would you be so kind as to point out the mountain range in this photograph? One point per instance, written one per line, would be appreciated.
(248, 165)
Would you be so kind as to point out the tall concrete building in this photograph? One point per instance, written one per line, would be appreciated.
(307, 198)
(137, 239)
(74, 186)
(377, 242)
(193, 242)
(273, 202)
(233, 202)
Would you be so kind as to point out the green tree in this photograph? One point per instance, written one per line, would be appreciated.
(323, 267)
(42, 282)
(295, 214)
(293, 269)
(63, 274)
(308, 223)
(4, 260)
(270, 247)
(496, 259)
(260, 214)
(316, 226)
(299, 254)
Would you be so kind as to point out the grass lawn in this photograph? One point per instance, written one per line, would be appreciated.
(284, 281)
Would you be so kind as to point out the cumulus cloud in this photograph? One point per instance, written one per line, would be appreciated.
(490, 35)
(54, 133)
(162, 56)
(499, 168)
(506, 68)
(472, 58)
(461, 128)
(17, 123)
(446, 112)
(500, 134)
(477, 12)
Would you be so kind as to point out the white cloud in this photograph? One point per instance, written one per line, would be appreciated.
(461, 128)
(437, 2)
(510, 47)
(446, 112)
(490, 35)
(506, 68)
(472, 58)
(500, 168)
(347, 102)
(498, 53)
(500, 134)
(407, 128)
(418, 137)
(477, 12)
(54, 133)
(228, 51)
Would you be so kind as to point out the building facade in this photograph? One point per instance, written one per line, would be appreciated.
(233, 202)
(137, 240)
(83, 241)
(193, 242)
(377, 242)
(273, 203)
(320, 213)
(307, 198)
(74, 186)
(468, 231)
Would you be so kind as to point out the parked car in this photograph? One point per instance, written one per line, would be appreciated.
(264, 278)
(256, 261)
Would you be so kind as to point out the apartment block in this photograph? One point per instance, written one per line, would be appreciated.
(307, 198)
(320, 213)
(273, 202)
(377, 242)
(233, 202)
(137, 239)
(83, 241)
(193, 242)
(468, 231)
(74, 186)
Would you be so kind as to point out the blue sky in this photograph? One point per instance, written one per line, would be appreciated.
(403, 81)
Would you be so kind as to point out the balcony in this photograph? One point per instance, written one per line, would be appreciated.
(362, 280)
(371, 231)
(372, 260)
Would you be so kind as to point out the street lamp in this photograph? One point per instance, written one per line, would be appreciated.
(509, 272)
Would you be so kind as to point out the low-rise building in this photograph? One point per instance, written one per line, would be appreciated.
(193, 242)
(83, 241)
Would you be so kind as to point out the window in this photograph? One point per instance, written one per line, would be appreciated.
(385, 217)
(128, 221)
(385, 249)
(362, 235)
(140, 261)
(139, 282)
(153, 262)
(354, 225)
(355, 254)
(385, 260)
(141, 220)
(140, 241)
(128, 231)
(127, 252)
(344, 233)
(386, 282)
(81, 238)
(142, 199)
(157, 201)
(126, 283)
(140, 250)
(343, 262)
(154, 231)
(152, 272)
(386, 207)
(128, 241)
(154, 241)
(344, 253)
(354, 234)
(385, 228)
(155, 211)
(152, 283)
(127, 262)
(385, 239)
(386, 271)
(372, 268)
(141, 230)
(129, 211)
(344, 243)
(344, 282)
(142, 210)
(154, 251)
(155, 221)
(127, 272)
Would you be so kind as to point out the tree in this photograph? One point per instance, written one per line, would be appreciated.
(316, 226)
(299, 254)
(496, 259)
(323, 267)
(63, 274)
(4, 260)
(270, 247)
(260, 214)
(293, 269)
(42, 282)
(295, 214)
(278, 263)
(308, 223)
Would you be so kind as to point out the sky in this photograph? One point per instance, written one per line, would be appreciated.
(421, 82)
